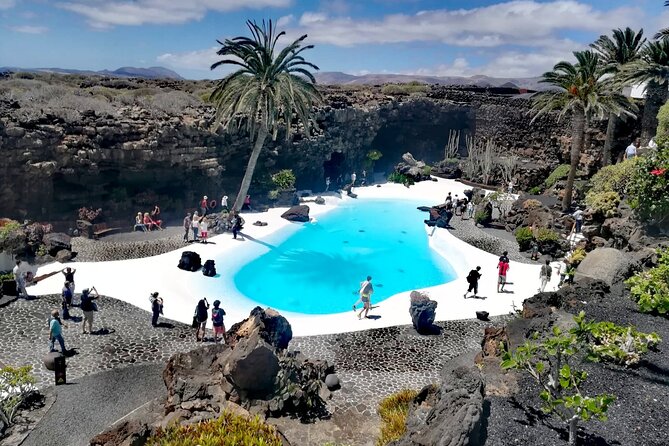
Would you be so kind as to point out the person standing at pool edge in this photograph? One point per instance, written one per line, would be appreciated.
(366, 290)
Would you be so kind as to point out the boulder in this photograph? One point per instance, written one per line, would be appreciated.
(319, 200)
(423, 312)
(332, 382)
(64, 255)
(252, 367)
(450, 415)
(56, 241)
(272, 327)
(297, 213)
(482, 315)
(606, 264)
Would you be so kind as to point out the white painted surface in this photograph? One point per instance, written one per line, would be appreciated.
(133, 280)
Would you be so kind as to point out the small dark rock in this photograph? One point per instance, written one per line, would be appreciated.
(332, 382)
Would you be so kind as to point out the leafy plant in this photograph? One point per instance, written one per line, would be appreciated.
(393, 411)
(559, 173)
(650, 289)
(547, 235)
(396, 177)
(227, 430)
(649, 188)
(576, 257)
(16, 384)
(427, 170)
(663, 121)
(549, 362)
(614, 178)
(524, 237)
(284, 179)
(536, 190)
(371, 158)
(603, 203)
(299, 384)
(609, 342)
(89, 214)
(273, 194)
(481, 217)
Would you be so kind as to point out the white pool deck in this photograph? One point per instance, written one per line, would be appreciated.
(133, 280)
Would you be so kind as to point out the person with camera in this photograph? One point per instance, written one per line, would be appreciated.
(200, 319)
(156, 307)
(88, 306)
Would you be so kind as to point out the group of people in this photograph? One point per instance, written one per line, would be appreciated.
(198, 225)
(149, 222)
(201, 316)
(87, 305)
(474, 275)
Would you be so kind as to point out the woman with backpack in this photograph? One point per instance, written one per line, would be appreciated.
(217, 319)
(200, 319)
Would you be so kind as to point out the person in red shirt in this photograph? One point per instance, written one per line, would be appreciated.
(503, 267)
(204, 205)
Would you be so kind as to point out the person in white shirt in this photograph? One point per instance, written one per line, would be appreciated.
(631, 150)
(20, 279)
(204, 228)
(652, 144)
(578, 216)
(224, 202)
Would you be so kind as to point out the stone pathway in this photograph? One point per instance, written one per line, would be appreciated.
(129, 337)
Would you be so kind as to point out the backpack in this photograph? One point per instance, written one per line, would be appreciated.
(472, 276)
(190, 261)
(547, 271)
(217, 316)
(209, 268)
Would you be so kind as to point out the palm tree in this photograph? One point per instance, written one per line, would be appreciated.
(663, 33)
(582, 90)
(652, 68)
(614, 53)
(265, 91)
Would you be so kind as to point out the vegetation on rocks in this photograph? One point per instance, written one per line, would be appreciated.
(396, 177)
(614, 178)
(227, 430)
(649, 188)
(603, 203)
(650, 289)
(393, 411)
(576, 257)
(559, 173)
(524, 237)
(405, 89)
(16, 384)
(547, 235)
(284, 179)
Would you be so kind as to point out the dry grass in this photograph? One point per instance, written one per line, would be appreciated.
(393, 411)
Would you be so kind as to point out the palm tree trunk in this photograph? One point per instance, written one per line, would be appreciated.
(578, 130)
(656, 96)
(608, 143)
(250, 167)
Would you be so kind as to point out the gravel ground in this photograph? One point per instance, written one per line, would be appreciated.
(88, 405)
(639, 416)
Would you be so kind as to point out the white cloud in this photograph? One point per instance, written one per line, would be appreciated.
(285, 20)
(192, 60)
(105, 13)
(29, 29)
(524, 22)
(7, 4)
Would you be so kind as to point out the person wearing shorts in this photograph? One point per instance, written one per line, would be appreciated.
(217, 319)
(503, 267)
(204, 228)
(366, 290)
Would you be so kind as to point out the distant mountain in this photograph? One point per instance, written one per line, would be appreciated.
(146, 73)
(338, 78)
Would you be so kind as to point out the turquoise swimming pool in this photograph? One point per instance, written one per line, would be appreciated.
(318, 268)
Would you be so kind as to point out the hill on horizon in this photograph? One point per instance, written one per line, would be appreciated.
(145, 73)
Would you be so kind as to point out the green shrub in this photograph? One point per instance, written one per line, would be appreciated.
(609, 342)
(396, 177)
(284, 179)
(613, 178)
(393, 411)
(603, 203)
(547, 235)
(427, 170)
(227, 430)
(524, 238)
(650, 289)
(536, 190)
(649, 188)
(558, 174)
(273, 194)
(663, 121)
(576, 257)
(481, 217)
(405, 89)
(16, 384)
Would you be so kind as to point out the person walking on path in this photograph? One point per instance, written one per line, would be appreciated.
(217, 314)
(20, 279)
(473, 279)
(236, 223)
(88, 307)
(69, 277)
(186, 226)
(56, 332)
(156, 307)
(503, 266)
(562, 271)
(195, 225)
(545, 275)
(200, 318)
(204, 205)
(224, 202)
(578, 217)
(67, 300)
(365, 293)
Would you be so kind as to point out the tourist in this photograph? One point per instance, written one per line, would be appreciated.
(578, 217)
(534, 250)
(19, 278)
(200, 319)
(365, 293)
(236, 223)
(204, 230)
(631, 150)
(457, 204)
(652, 144)
(545, 275)
(473, 280)
(88, 307)
(139, 223)
(148, 222)
(247, 203)
(224, 202)
(204, 205)
(56, 332)
(327, 184)
(217, 319)
(449, 212)
(562, 271)
(69, 276)
(155, 213)
(470, 210)
(195, 225)
(186, 226)
(67, 300)
(504, 257)
(364, 177)
(156, 307)
(448, 198)
(510, 189)
(503, 266)
(353, 178)
(464, 208)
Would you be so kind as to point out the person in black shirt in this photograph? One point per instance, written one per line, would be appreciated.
(473, 279)
(69, 276)
(88, 307)
(504, 257)
(200, 318)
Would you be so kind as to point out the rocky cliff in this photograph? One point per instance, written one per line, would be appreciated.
(127, 145)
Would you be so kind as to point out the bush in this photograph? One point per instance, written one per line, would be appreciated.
(524, 238)
(481, 217)
(273, 194)
(405, 89)
(609, 342)
(393, 411)
(576, 257)
(547, 235)
(396, 177)
(613, 178)
(284, 179)
(650, 289)
(663, 121)
(536, 190)
(531, 204)
(16, 384)
(227, 430)
(603, 203)
(649, 187)
(558, 174)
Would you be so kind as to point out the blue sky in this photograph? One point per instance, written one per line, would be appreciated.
(448, 37)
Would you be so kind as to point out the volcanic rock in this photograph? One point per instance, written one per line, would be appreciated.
(297, 213)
